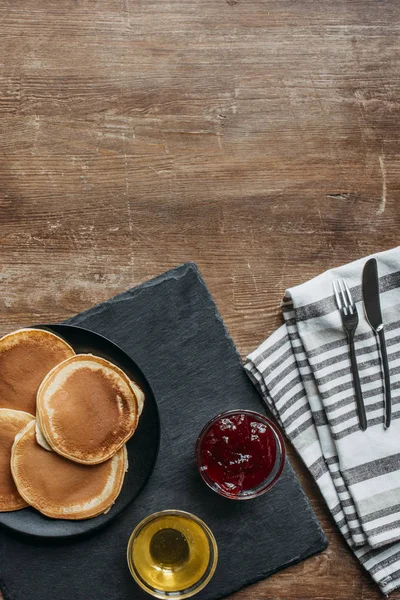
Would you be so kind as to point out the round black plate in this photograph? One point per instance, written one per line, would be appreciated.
(142, 447)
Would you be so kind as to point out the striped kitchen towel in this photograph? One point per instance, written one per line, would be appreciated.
(303, 373)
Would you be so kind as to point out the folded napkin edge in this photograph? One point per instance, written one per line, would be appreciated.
(342, 267)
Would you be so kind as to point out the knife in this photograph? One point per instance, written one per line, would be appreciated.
(370, 288)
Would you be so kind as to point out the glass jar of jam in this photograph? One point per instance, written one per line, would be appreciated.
(240, 454)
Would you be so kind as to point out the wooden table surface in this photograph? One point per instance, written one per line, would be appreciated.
(259, 138)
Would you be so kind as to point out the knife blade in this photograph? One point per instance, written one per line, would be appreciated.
(372, 305)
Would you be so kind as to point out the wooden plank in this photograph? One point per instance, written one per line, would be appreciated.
(258, 138)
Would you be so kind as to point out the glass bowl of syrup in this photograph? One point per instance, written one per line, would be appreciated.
(172, 554)
(240, 454)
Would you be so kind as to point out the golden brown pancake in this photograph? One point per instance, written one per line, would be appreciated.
(26, 356)
(139, 396)
(11, 423)
(60, 488)
(87, 409)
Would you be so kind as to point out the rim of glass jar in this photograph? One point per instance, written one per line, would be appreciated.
(196, 587)
(269, 481)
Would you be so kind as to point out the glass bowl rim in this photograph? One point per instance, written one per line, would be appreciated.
(264, 486)
(211, 567)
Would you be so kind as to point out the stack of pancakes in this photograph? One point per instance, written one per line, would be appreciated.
(64, 422)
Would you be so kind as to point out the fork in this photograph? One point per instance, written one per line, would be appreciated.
(348, 311)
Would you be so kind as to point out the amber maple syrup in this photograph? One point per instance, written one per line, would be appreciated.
(171, 552)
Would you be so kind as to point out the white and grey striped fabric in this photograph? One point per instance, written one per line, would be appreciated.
(303, 373)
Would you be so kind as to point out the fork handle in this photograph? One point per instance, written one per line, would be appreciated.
(362, 417)
(386, 378)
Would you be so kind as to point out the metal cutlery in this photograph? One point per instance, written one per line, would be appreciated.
(348, 311)
(370, 287)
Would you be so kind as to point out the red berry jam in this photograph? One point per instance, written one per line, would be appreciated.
(238, 451)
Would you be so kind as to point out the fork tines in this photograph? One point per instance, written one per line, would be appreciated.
(343, 297)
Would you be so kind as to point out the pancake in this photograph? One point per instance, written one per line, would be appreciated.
(41, 440)
(87, 409)
(60, 488)
(11, 423)
(26, 356)
(139, 396)
(140, 399)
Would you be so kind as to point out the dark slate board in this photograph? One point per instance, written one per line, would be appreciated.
(173, 331)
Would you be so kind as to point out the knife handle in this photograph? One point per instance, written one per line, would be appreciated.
(362, 417)
(386, 378)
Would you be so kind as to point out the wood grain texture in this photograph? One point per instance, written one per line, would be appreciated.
(259, 138)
